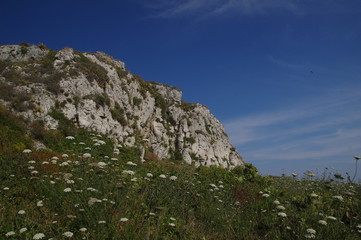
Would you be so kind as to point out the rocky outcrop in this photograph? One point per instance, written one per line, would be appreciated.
(97, 92)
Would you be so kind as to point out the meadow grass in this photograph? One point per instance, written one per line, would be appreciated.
(112, 194)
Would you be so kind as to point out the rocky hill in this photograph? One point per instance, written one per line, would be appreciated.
(96, 92)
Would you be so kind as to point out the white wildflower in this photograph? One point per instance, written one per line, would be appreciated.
(131, 163)
(130, 172)
(309, 235)
(173, 178)
(68, 234)
(70, 138)
(332, 218)
(10, 234)
(276, 202)
(313, 195)
(67, 190)
(310, 174)
(171, 224)
(282, 214)
(172, 218)
(265, 195)
(39, 236)
(101, 222)
(23, 230)
(149, 175)
(311, 231)
(21, 212)
(70, 181)
(83, 229)
(93, 200)
(280, 207)
(27, 151)
(102, 164)
(87, 155)
(124, 219)
(162, 176)
(322, 222)
(40, 203)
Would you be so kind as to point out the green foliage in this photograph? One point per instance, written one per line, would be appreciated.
(190, 140)
(137, 101)
(247, 173)
(160, 101)
(23, 50)
(66, 126)
(37, 71)
(25, 44)
(37, 130)
(175, 154)
(12, 133)
(199, 203)
(121, 73)
(187, 107)
(118, 114)
(42, 46)
(93, 71)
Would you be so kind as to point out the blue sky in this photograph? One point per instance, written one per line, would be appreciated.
(282, 75)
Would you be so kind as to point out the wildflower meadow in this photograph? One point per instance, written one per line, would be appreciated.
(87, 187)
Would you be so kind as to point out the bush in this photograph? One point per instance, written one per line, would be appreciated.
(42, 46)
(247, 173)
(92, 70)
(118, 114)
(12, 132)
(151, 156)
(102, 100)
(37, 130)
(24, 44)
(137, 101)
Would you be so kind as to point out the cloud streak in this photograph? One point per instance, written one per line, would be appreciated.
(202, 9)
(321, 130)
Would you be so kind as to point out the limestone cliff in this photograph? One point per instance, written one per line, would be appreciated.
(97, 92)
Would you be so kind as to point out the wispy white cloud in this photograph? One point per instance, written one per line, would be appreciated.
(208, 8)
(321, 130)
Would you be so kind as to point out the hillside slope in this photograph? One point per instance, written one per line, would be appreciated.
(96, 92)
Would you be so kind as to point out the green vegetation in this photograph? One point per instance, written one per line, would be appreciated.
(83, 187)
(160, 101)
(118, 114)
(36, 71)
(137, 101)
(186, 106)
(190, 140)
(93, 71)
(24, 44)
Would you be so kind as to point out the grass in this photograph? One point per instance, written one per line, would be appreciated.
(116, 195)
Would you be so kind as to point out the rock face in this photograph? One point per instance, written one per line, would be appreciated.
(97, 92)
